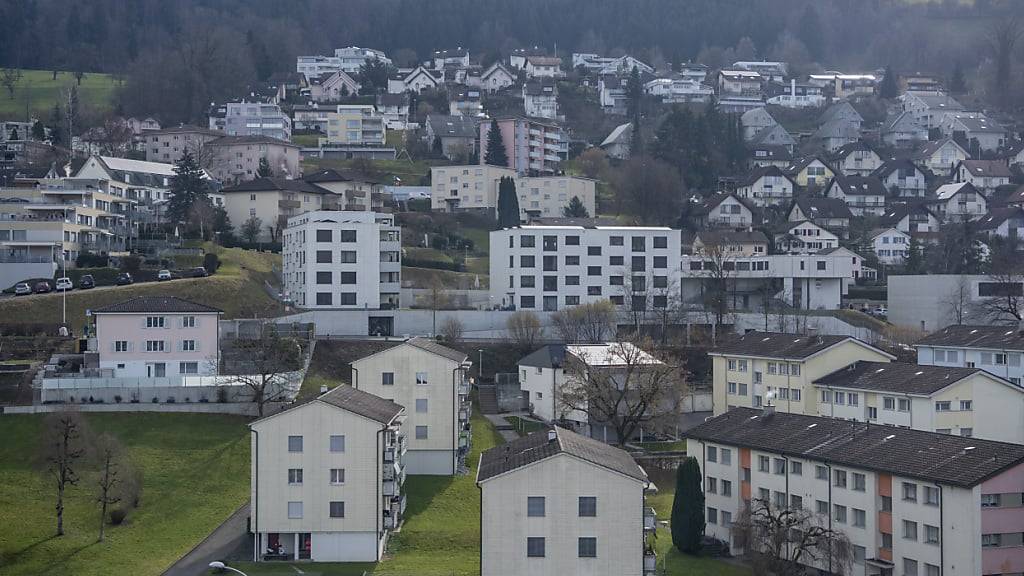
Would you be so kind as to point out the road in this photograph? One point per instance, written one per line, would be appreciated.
(219, 545)
(98, 288)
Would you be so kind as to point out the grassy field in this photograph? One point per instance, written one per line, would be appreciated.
(236, 288)
(38, 92)
(195, 470)
(411, 173)
(424, 277)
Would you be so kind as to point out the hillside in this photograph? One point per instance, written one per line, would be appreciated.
(37, 92)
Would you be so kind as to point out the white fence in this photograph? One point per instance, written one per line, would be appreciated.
(189, 389)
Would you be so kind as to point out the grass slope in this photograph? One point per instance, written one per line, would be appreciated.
(195, 469)
(39, 92)
(236, 288)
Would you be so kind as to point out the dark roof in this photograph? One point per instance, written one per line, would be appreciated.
(930, 148)
(431, 346)
(718, 236)
(362, 403)
(822, 207)
(779, 345)
(537, 86)
(940, 458)
(859, 185)
(393, 99)
(236, 140)
(714, 200)
(536, 447)
(549, 356)
(899, 211)
(452, 126)
(992, 168)
(801, 163)
(847, 149)
(996, 216)
(994, 337)
(268, 184)
(773, 152)
(896, 377)
(142, 304)
(762, 171)
(892, 165)
(332, 175)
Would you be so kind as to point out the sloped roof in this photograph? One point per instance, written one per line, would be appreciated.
(272, 184)
(996, 216)
(897, 377)
(616, 134)
(535, 447)
(548, 356)
(822, 207)
(891, 165)
(452, 126)
(433, 347)
(929, 148)
(760, 172)
(990, 168)
(781, 345)
(947, 191)
(860, 185)
(714, 200)
(162, 304)
(241, 140)
(362, 403)
(846, 149)
(969, 336)
(899, 211)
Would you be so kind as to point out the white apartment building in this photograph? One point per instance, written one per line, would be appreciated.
(157, 337)
(148, 183)
(910, 502)
(552, 267)
(996, 349)
(962, 401)
(342, 259)
(475, 188)
(556, 502)
(251, 119)
(432, 380)
(327, 478)
(890, 245)
(355, 125)
(348, 60)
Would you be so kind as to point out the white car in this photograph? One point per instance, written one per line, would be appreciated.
(65, 283)
(163, 275)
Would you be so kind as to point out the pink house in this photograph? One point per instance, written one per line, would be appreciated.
(533, 147)
(158, 337)
(1002, 522)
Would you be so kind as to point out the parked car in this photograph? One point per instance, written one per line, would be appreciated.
(86, 282)
(163, 275)
(880, 311)
(22, 289)
(65, 283)
(43, 287)
(124, 279)
(199, 272)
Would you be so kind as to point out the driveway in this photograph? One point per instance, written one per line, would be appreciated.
(219, 545)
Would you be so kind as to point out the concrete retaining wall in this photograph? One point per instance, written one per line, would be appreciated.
(243, 409)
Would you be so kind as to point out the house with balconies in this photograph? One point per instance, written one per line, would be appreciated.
(766, 186)
(996, 349)
(556, 502)
(864, 195)
(911, 218)
(255, 118)
(985, 175)
(831, 214)
(327, 478)
(890, 245)
(355, 125)
(433, 380)
(959, 202)
(540, 98)
(534, 146)
(902, 178)
(804, 238)
(940, 157)
(727, 210)
(271, 202)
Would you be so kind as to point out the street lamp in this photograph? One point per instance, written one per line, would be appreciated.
(480, 368)
(218, 565)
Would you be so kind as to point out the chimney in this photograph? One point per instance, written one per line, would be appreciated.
(792, 88)
(768, 408)
(552, 435)
(323, 389)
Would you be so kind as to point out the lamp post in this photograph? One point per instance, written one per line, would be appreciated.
(218, 565)
(480, 368)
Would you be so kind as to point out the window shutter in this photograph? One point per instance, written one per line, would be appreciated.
(167, 348)
(143, 322)
(197, 321)
(113, 346)
(178, 344)
(131, 346)
(196, 345)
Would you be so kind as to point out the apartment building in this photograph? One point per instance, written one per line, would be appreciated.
(746, 369)
(355, 125)
(327, 478)
(533, 146)
(995, 349)
(158, 337)
(348, 60)
(272, 201)
(342, 259)
(168, 144)
(228, 159)
(148, 183)
(353, 190)
(910, 502)
(963, 401)
(251, 119)
(556, 502)
(475, 188)
(540, 98)
(432, 380)
(548, 268)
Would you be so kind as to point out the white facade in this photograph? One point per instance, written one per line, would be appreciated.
(475, 188)
(1002, 362)
(891, 246)
(805, 238)
(771, 188)
(342, 259)
(428, 379)
(959, 202)
(678, 90)
(348, 60)
(552, 267)
(539, 384)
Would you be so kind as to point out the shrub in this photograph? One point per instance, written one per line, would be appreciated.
(90, 260)
(170, 399)
(117, 516)
(222, 394)
(211, 262)
(156, 400)
(71, 399)
(131, 263)
(117, 398)
(187, 399)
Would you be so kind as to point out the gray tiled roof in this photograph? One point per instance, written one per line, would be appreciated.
(274, 184)
(929, 456)
(898, 377)
(995, 337)
(830, 208)
(548, 356)
(435, 348)
(168, 304)
(536, 447)
(362, 403)
(779, 345)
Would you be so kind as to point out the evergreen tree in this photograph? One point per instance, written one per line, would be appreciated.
(914, 264)
(635, 92)
(38, 131)
(575, 209)
(888, 89)
(264, 170)
(187, 187)
(14, 134)
(508, 203)
(495, 154)
(957, 82)
(688, 508)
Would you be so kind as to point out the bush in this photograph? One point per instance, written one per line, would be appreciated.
(131, 264)
(117, 516)
(170, 399)
(435, 264)
(222, 394)
(156, 400)
(211, 262)
(117, 398)
(90, 260)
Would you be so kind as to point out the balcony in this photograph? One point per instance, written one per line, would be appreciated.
(391, 521)
(650, 519)
(464, 413)
(650, 562)
(464, 388)
(288, 204)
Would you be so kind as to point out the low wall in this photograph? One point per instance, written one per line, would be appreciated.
(240, 408)
(145, 390)
(13, 272)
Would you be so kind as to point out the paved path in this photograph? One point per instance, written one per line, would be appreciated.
(219, 545)
(502, 426)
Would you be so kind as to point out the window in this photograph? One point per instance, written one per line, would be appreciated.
(931, 570)
(910, 492)
(324, 235)
(337, 509)
(726, 487)
(888, 403)
(712, 454)
(527, 281)
(188, 367)
(909, 567)
(931, 534)
(526, 262)
(909, 530)
(572, 260)
(587, 547)
(762, 463)
(991, 540)
(572, 280)
(527, 242)
(593, 270)
(796, 502)
(188, 345)
(859, 482)
(743, 389)
(588, 506)
(323, 298)
(639, 243)
(931, 495)
(534, 547)
(572, 240)
(188, 321)
(348, 278)
(421, 379)
(337, 475)
(991, 500)
(886, 503)
(121, 346)
(295, 475)
(711, 485)
(660, 262)
(323, 256)
(780, 466)
(726, 456)
(154, 321)
(966, 405)
(323, 277)
(732, 387)
(421, 405)
(780, 499)
(839, 477)
(593, 250)
(821, 472)
(527, 302)
(859, 518)
(764, 494)
(661, 241)
(726, 518)
(347, 257)
(839, 513)
(638, 264)
(796, 468)
(859, 554)
(616, 240)
(872, 413)
(712, 515)
(387, 378)
(942, 406)
(154, 345)
(295, 510)
(295, 443)
(421, 432)
(337, 443)
(822, 507)
(904, 405)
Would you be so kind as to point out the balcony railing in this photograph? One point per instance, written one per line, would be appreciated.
(650, 519)
(650, 563)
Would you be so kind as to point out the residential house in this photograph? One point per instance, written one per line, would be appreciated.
(756, 120)
(739, 83)
(903, 131)
(327, 478)
(310, 117)
(747, 368)
(856, 159)
(541, 377)
(1006, 222)
(475, 189)
(766, 186)
(232, 159)
(920, 83)
(332, 87)
(434, 381)
(959, 202)
(890, 245)
(465, 101)
(167, 145)
(617, 143)
(769, 155)
(158, 337)
(845, 86)
(722, 243)
(612, 95)
(355, 191)
(902, 178)
(831, 214)
(146, 183)
(416, 80)
(910, 218)
(543, 67)
(864, 195)
(727, 210)
(811, 172)
(940, 157)
(458, 57)
(395, 110)
(678, 90)
(975, 129)
(246, 118)
(271, 202)
(533, 146)
(348, 60)
(929, 108)
(985, 175)
(496, 77)
(556, 502)
(456, 135)
(794, 95)
(342, 259)
(773, 136)
(995, 349)
(804, 238)
(595, 64)
(540, 98)
(838, 126)
(769, 71)
(355, 125)
(898, 512)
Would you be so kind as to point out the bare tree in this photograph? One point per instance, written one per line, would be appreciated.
(63, 443)
(718, 270)
(524, 330)
(626, 389)
(1005, 301)
(116, 477)
(251, 229)
(591, 323)
(784, 540)
(10, 77)
(436, 299)
(452, 330)
(263, 364)
(1002, 44)
(202, 215)
(958, 301)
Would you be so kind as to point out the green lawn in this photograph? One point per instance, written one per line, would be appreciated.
(524, 426)
(441, 534)
(195, 470)
(663, 446)
(38, 91)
